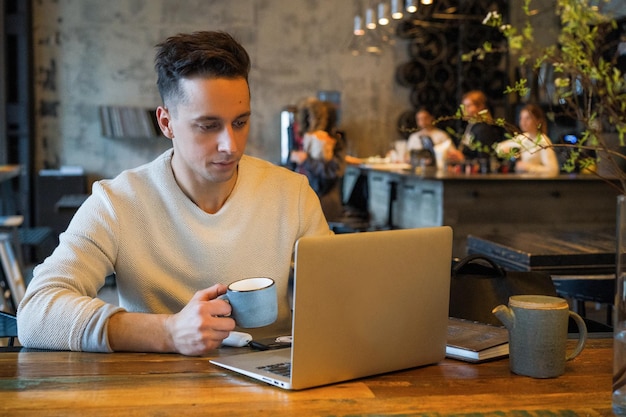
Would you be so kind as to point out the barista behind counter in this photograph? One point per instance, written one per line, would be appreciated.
(430, 136)
(480, 133)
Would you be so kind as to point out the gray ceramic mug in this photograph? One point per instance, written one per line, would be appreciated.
(253, 302)
(537, 327)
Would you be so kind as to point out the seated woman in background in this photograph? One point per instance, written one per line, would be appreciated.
(442, 142)
(532, 148)
(321, 158)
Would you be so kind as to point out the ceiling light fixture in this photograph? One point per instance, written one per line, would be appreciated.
(370, 18)
(358, 26)
(396, 10)
(411, 6)
(376, 28)
(383, 14)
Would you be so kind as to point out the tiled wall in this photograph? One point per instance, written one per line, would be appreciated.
(90, 53)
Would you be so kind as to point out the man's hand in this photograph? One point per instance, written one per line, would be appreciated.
(201, 325)
(197, 329)
(454, 156)
(298, 157)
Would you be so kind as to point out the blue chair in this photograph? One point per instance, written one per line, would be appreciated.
(10, 274)
(8, 327)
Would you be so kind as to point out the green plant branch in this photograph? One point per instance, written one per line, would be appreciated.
(587, 86)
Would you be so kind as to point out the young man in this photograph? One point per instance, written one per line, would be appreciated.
(175, 230)
(442, 142)
(480, 134)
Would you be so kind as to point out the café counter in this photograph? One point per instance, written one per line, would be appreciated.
(135, 384)
(482, 204)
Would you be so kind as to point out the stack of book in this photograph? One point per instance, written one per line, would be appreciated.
(128, 122)
(473, 341)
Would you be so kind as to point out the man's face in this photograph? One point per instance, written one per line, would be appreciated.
(424, 119)
(470, 108)
(209, 128)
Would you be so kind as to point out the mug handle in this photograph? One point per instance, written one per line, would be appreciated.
(582, 338)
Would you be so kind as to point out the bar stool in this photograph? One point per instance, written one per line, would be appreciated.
(37, 241)
(12, 260)
(14, 286)
(11, 225)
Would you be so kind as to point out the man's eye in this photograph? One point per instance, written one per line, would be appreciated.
(240, 124)
(210, 126)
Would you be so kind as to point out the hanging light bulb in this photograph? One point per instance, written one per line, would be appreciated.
(372, 41)
(411, 6)
(383, 14)
(385, 33)
(396, 10)
(357, 43)
(370, 19)
(427, 2)
(358, 26)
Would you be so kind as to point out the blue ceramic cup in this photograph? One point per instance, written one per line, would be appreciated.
(253, 301)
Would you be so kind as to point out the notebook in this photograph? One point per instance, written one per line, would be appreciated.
(364, 304)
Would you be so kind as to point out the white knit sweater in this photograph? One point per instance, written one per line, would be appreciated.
(163, 248)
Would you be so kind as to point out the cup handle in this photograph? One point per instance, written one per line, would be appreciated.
(582, 338)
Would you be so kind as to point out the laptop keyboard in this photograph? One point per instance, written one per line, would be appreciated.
(283, 368)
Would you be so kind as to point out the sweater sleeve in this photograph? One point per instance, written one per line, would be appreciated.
(60, 309)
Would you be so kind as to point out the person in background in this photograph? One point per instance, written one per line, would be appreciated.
(532, 148)
(442, 142)
(480, 134)
(322, 157)
(174, 230)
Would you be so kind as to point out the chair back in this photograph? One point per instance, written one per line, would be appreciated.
(11, 271)
(8, 327)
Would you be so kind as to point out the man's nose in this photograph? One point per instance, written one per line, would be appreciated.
(226, 141)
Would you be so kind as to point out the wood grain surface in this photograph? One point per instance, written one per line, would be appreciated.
(135, 384)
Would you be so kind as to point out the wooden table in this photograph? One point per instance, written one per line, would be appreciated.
(562, 252)
(581, 263)
(127, 384)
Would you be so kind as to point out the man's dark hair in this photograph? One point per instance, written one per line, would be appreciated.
(203, 54)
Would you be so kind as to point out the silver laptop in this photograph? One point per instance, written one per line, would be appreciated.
(364, 304)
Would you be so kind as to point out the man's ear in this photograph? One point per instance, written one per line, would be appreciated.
(165, 121)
